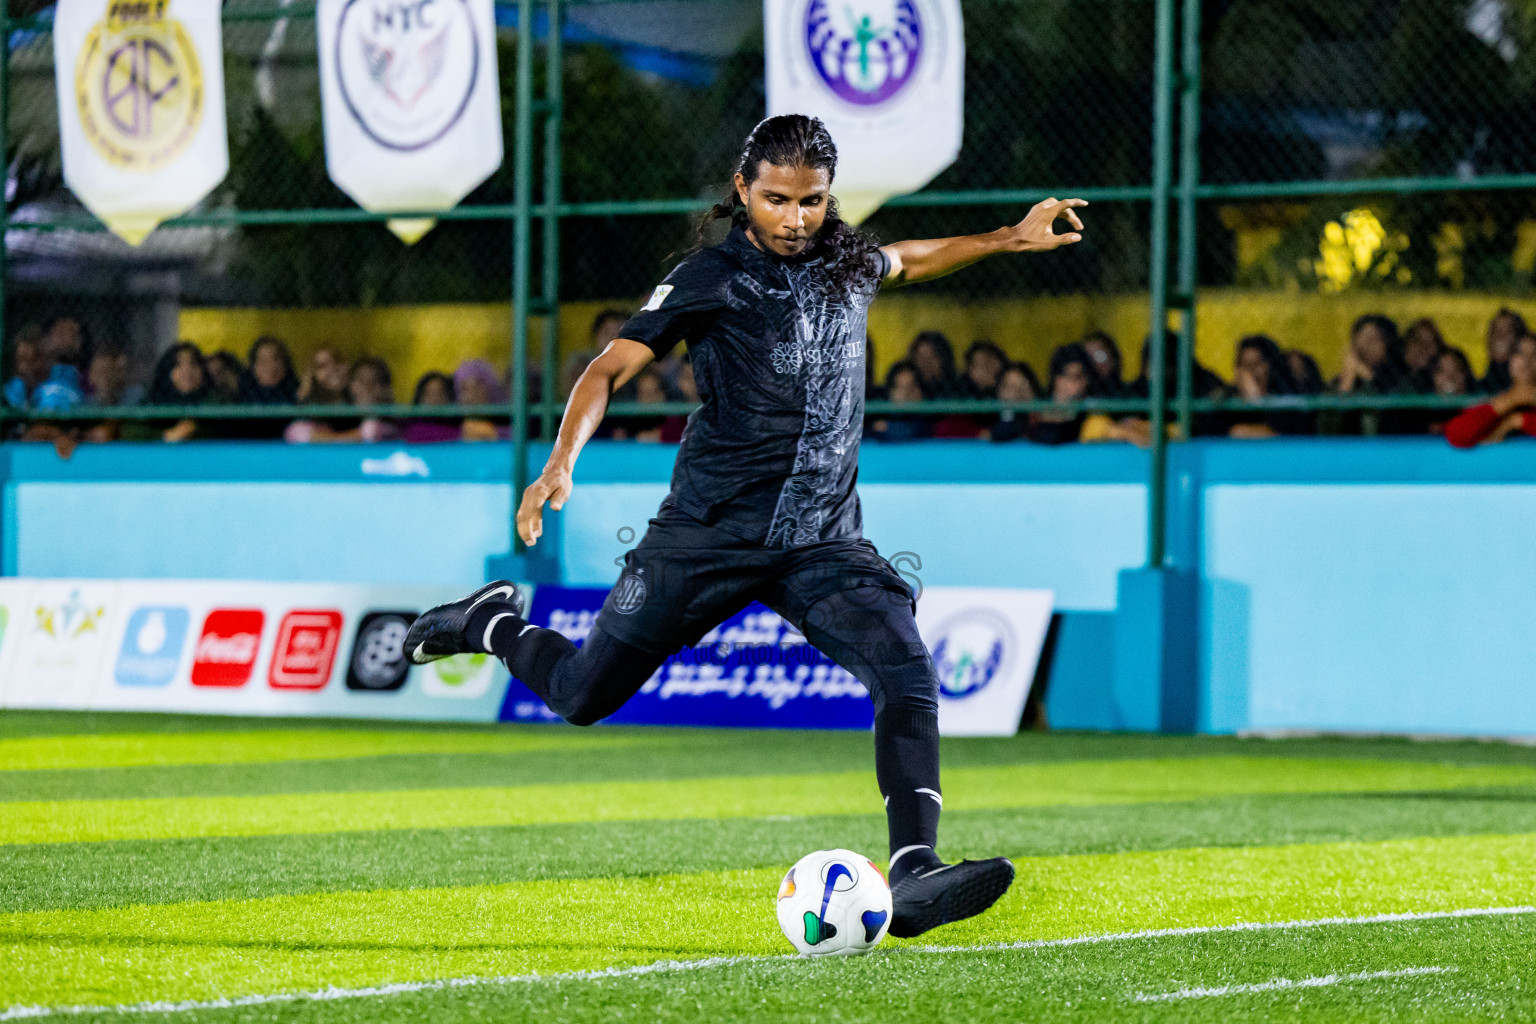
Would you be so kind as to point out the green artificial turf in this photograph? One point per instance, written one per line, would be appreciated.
(169, 857)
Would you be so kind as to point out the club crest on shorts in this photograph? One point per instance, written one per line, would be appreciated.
(629, 595)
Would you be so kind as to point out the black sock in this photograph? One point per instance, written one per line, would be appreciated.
(907, 768)
(481, 618)
(530, 654)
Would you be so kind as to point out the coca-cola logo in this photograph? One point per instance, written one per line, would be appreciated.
(226, 651)
(239, 649)
(305, 650)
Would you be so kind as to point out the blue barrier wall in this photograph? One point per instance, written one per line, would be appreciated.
(1343, 585)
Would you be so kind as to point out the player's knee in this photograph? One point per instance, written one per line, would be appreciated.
(911, 684)
(586, 710)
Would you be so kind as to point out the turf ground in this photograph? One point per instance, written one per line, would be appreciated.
(156, 867)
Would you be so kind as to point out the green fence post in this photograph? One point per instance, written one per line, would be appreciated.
(522, 231)
(554, 113)
(1162, 159)
(1189, 181)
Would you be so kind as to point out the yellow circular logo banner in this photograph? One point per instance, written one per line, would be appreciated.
(138, 86)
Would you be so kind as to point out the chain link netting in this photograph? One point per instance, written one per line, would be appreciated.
(658, 94)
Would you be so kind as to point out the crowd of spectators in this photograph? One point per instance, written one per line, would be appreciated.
(56, 368)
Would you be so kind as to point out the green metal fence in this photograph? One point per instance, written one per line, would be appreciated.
(1220, 143)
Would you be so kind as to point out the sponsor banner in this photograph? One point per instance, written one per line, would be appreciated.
(410, 102)
(756, 671)
(233, 648)
(985, 643)
(13, 599)
(62, 632)
(888, 79)
(141, 107)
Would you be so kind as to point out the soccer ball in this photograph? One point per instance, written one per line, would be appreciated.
(834, 903)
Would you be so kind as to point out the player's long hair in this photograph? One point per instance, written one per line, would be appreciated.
(795, 140)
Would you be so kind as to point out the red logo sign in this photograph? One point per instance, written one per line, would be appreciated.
(226, 652)
(305, 651)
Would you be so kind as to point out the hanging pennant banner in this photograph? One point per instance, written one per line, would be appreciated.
(411, 102)
(888, 79)
(141, 107)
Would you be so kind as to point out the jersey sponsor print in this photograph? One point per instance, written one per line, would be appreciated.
(226, 650)
(152, 646)
(305, 650)
(378, 663)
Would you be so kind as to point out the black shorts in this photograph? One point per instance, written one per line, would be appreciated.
(684, 578)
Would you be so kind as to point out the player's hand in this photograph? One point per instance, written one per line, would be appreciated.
(553, 486)
(1036, 232)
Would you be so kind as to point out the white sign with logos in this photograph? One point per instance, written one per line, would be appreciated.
(985, 643)
(411, 102)
(232, 647)
(141, 107)
(888, 79)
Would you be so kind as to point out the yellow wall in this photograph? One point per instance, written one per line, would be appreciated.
(415, 339)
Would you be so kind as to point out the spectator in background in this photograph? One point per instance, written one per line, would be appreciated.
(1106, 363)
(1017, 383)
(933, 357)
(1304, 372)
(984, 363)
(605, 328)
(903, 386)
(476, 382)
(40, 382)
(1504, 330)
(224, 370)
(1450, 377)
(107, 383)
(433, 390)
(180, 378)
(1422, 345)
(649, 390)
(687, 391)
(106, 379)
(1262, 371)
(268, 379)
(1512, 411)
(1373, 365)
(65, 343)
(325, 382)
(369, 383)
(1072, 380)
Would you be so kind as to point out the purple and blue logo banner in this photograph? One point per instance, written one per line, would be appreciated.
(752, 671)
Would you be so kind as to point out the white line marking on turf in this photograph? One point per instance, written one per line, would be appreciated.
(674, 966)
(1247, 926)
(1280, 984)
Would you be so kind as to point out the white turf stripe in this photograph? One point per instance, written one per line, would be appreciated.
(674, 966)
(1280, 984)
(1247, 926)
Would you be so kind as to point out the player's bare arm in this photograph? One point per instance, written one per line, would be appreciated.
(611, 370)
(926, 259)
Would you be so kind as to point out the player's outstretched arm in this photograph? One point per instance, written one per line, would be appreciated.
(926, 259)
(611, 370)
